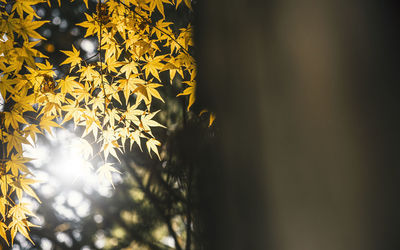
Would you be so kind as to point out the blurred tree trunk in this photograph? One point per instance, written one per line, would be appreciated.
(307, 102)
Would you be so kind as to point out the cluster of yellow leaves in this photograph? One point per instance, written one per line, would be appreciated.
(29, 108)
(111, 98)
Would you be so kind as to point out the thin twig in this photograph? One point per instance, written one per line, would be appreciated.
(91, 57)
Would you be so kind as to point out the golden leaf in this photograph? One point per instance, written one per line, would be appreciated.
(105, 172)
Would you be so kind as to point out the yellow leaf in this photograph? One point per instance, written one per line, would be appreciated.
(25, 6)
(6, 85)
(147, 122)
(20, 211)
(68, 85)
(135, 137)
(46, 122)
(31, 131)
(147, 91)
(128, 68)
(3, 203)
(153, 66)
(5, 181)
(22, 184)
(152, 146)
(159, 4)
(21, 226)
(191, 92)
(105, 171)
(3, 228)
(188, 3)
(92, 26)
(73, 57)
(16, 164)
(212, 119)
(88, 73)
(28, 27)
(15, 140)
(14, 119)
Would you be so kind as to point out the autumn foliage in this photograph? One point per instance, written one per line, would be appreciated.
(112, 97)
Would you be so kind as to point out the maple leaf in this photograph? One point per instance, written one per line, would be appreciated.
(23, 103)
(31, 131)
(109, 148)
(28, 26)
(153, 66)
(3, 228)
(129, 85)
(22, 184)
(15, 140)
(68, 84)
(162, 29)
(152, 146)
(105, 172)
(189, 91)
(73, 111)
(112, 91)
(19, 223)
(132, 114)
(147, 91)
(147, 122)
(88, 73)
(172, 66)
(135, 137)
(6, 85)
(83, 93)
(128, 68)
(26, 6)
(91, 121)
(46, 68)
(112, 63)
(3, 203)
(110, 142)
(46, 123)
(159, 4)
(112, 117)
(98, 103)
(20, 211)
(5, 181)
(17, 163)
(73, 57)
(14, 119)
(91, 25)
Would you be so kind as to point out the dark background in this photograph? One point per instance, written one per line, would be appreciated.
(306, 94)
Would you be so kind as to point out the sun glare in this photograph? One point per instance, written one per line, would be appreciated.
(68, 160)
(66, 168)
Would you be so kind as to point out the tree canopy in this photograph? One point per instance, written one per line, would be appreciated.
(113, 97)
